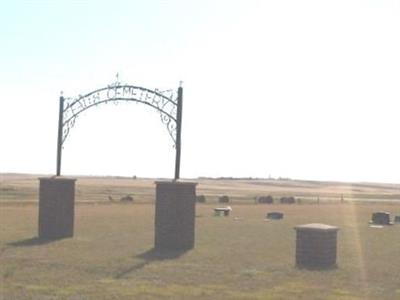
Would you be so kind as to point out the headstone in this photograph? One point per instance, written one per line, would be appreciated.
(397, 219)
(127, 198)
(265, 199)
(274, 215)
(316, 245)
(288, 200)
(223, 199)
(222, 210)
(381, 218)
(56, 207)
(175, 215)
(201, 199)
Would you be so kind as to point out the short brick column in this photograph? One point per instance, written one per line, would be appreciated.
(175, 215)
(316, 245)
(56, 207)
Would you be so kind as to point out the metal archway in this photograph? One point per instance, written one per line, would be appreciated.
(167, 103)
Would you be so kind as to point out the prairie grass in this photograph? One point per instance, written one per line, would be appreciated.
(15, 188)
(110, 256)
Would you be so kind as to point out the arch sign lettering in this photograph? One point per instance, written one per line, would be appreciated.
(167, 103)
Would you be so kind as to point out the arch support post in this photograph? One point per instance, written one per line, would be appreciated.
(56, 207)
(60, 137)
(178, 133)
(175, 215)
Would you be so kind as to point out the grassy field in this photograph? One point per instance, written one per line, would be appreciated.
(17, 187)
(237, 257)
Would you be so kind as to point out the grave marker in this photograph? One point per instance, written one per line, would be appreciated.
(316, 245)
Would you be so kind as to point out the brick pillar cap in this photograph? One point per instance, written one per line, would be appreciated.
(316, 227)
(175, 182)
(57, 178)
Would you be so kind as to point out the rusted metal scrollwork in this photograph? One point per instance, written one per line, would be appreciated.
(167, 103)
(163, 101)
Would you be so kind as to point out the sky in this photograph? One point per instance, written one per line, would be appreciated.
(292, 89)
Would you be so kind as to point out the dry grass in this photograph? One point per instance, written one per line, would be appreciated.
(108, 258)
(235, 258)
(15, 187)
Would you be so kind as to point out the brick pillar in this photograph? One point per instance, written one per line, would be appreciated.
(56, 207)
(316, 245)
(175, 215)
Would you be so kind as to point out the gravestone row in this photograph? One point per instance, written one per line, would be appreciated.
(316, 244)
(383, 218)
(259, 199)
